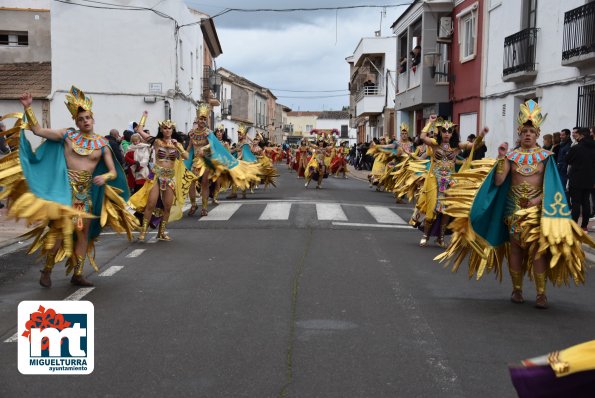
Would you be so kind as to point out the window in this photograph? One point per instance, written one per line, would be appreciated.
(530, 13)
(14, 39)
(467, 33)
(181, 56)
(309, 128)
(585, 114)
(191, 65)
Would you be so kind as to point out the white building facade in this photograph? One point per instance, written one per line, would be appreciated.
(372, 86)
(541, 50)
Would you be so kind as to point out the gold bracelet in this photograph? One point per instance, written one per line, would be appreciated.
(108, 176)
(500, 166)
(143, 120)
(31, 119)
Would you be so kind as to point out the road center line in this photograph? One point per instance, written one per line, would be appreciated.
(111, 270)
(135, 253)
(79, 294)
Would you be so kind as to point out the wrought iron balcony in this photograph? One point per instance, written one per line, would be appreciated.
(226, 107)
(519, 55)
(579, 35)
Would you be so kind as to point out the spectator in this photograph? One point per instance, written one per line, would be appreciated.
(4, 149)
(548, 142)
(416, 56)
(403, 65)
(556, 145)
(126, 140)
(137, 158)
(581, 159)
(565, 144)
(114, 143)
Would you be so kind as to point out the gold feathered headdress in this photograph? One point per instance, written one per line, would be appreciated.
(203, 110)
(167, 123)
(77, 100)
(258, 137)
(447, 124)
(241, 129)
(405, 127)
(530, 112)
(220, 127)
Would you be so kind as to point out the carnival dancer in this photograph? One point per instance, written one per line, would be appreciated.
(302, 157)
(65, 188)
(517, 209)
(267, 172)
(223, 180)
(199, 146)
(339, 164)
(316, 168)
(444, 151)
(243, 152)
(162, 196)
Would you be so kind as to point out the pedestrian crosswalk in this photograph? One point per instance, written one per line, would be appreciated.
(336, 213)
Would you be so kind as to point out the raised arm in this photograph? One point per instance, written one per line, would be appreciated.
(502, 166)
(139, 127)
(53, 135)
(424, 132)
(478, 141)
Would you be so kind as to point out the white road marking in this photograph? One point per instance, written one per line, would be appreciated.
(12, 339)
(111, 270)
(355, 224)
(276, 211)
(384, 215)
(135, 253)
(222, 212)
(79, 294)
(330, 212)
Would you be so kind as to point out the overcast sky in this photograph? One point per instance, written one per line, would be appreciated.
(296, 50)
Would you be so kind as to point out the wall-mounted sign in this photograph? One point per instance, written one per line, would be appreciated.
(155, 88)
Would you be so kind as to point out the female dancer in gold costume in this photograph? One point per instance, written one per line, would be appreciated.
(159, 192)
(443, 152)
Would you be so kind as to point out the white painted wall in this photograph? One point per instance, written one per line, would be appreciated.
(113, 55)
(559, 96)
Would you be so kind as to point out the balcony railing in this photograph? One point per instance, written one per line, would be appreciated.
(402, 82)
(579, 31)
(519, 52)
(375, 89)
(226, 107)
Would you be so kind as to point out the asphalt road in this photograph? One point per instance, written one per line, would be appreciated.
(300, 306)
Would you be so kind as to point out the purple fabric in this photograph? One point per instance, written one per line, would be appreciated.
(541, 382)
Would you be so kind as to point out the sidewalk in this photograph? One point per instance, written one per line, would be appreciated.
(357, 174)
(10, 230)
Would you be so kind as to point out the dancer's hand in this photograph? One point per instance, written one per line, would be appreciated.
(26, 99)
(99, 180)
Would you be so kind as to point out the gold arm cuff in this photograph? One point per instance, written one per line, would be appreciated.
(108, 176)
(31, 119)
(500, 166)
(427, 127)
(143, 120)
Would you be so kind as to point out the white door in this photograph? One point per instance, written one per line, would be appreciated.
(467, 125)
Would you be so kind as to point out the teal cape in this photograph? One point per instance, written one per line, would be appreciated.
(218, 155)
(47, 176)
(247, 155)
(487, 211)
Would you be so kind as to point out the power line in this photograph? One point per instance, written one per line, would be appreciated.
(308, 91)
(313, 96)
(309, 9)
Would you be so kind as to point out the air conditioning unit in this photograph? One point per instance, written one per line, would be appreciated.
(445, 31)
